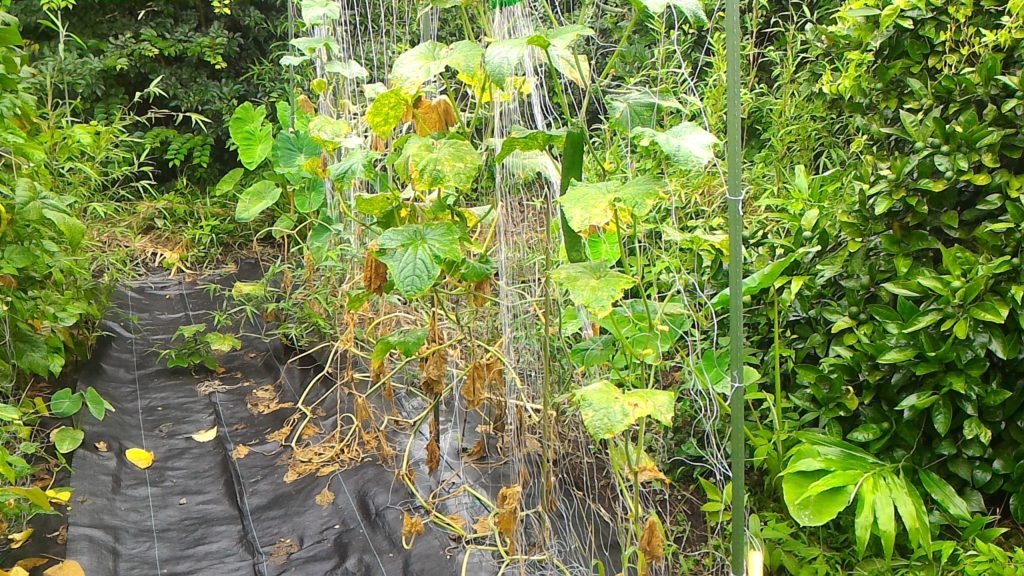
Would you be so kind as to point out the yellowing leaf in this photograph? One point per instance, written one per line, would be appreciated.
(60, 496)
(30, 563)
(19, 538)
(65, 568)
(205, 435)
(141, 458)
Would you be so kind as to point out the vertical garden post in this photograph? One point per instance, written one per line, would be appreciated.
(735, 199)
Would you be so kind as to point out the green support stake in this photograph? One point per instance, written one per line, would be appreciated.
(737, 401)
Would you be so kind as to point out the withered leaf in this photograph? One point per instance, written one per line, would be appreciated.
(325, 498)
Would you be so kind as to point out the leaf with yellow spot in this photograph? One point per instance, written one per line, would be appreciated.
(142, 459)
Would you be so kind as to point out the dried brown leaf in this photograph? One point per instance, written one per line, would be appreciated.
(433, 455)
(240, 451)
(507, 519)
(478, 451)
(652, 544)
(375, 274)
(325, 498)
(430, 116)
(412, 526)
(282, 550)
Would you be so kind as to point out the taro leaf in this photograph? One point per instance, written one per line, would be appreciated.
(413, 254)
(692, 9)
(429, 164)
(387, 111)
(591, 204)
(65, 403)
(329, 132)
(292, 151)
(284, 225)
(283, 110)
(227, 184)
(97, 405)
(252, 134)
(310, 196)
(607, 411)
(407, 342)
(315, 11)
(347, 69)
(945, 495)
(640, 108)
(65, 439)
(529, 140)
(256, 199)
(817, 509)
(688, 145)
(756, 282)
(592, 285)
(415, 66)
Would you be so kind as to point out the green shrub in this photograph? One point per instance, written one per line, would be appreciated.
(204, 57)
(906, 335)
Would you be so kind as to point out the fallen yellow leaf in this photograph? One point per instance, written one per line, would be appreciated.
(141, 458)
(30, 563)
(60, 496)
(205, 435)
(101, 446)
(19, 538)
(16, 571)
(65, 568)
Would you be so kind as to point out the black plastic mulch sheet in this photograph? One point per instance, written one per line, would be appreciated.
(198, 510)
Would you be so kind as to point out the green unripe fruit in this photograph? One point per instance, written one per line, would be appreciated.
(918, 146)
(807, 235)
(949, 175)
(854, 310)
(944, 149)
